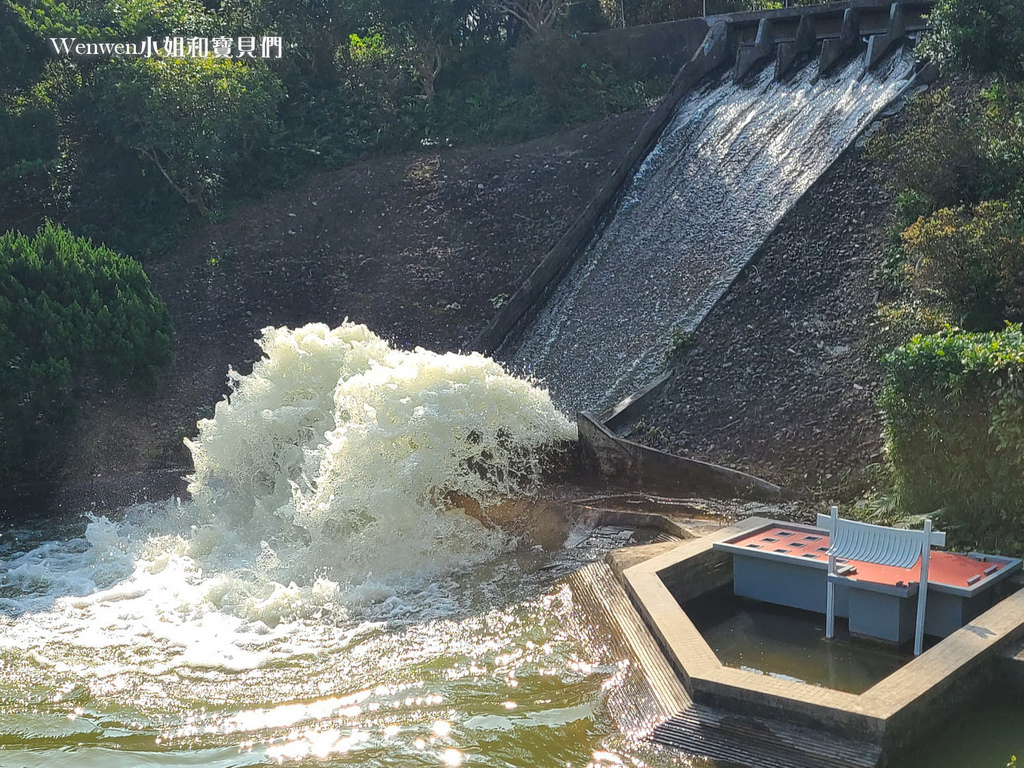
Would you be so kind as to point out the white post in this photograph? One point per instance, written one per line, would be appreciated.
(830, 600)
(922, 589)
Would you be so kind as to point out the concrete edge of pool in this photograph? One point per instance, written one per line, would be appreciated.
(891, 715)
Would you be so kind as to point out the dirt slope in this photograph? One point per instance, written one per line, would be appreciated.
(420, 247)
(782, 377)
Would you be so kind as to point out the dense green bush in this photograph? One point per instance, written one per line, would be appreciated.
(953, 405)
(938, 157)
(68, 309)
(973, 259)
(133, 152)
(196, 120)
(569, 82)
(979, 36)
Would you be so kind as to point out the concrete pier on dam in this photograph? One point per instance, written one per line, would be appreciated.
(763, 106)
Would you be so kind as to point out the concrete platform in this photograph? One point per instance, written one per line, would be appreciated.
(651, 702)
(891, 715)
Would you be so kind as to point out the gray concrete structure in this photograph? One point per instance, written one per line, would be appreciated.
(838, 27)
(833, 49)
(723, 40)
(792, 54)
(710, 55)
(881, 44)
(881, 611)
(750, 56)
(893, 714)
(632, 465)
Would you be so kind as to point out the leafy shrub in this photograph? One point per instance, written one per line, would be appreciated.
(907, 317)
(133, 152)
(67, 309)
(1003, 110)
(953, 405)
(571, 84)
(195, 119)
(973, 258)
(938, 157)
(978, 36)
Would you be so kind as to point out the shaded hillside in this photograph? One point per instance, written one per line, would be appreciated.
(420, 247)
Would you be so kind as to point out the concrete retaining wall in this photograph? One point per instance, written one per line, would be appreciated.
(630, 464)
(790, 33)
(698, 575)
(633, 406)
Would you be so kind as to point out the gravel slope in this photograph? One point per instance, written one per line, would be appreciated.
(782, 377)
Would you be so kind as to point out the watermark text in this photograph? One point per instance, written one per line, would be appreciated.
(242, 47)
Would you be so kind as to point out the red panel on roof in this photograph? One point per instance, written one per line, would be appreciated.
(947, 568)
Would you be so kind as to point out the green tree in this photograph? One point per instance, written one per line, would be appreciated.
(313, 30)
(194, 119)
(430, 32)
(979, 36)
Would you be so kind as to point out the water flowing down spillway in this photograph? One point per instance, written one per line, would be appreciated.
(323, 598)
(730, 163)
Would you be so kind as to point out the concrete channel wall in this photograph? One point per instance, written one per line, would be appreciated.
(635, 404)
(887, 719)
(630, 464)
(712, 54)
(746, 42)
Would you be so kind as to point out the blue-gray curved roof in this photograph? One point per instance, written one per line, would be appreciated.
(875, 544)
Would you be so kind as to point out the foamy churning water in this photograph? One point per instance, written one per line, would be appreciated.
(324, 480)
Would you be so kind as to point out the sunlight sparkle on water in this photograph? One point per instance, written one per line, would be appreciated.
(317, 745)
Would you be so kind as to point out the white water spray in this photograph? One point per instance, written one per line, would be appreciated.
(324, 480)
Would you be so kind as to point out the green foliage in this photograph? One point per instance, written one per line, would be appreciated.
(569, 82)
(21, 52)
(953, 401)
(978, 36)
(679, 344)
(939, 158)
(953, 405)
(427, 33)
(67, 309)
(314, 32)
(133, 151)
(973, 260)
(196, 120)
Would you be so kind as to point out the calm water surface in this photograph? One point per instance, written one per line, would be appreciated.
(789, 644)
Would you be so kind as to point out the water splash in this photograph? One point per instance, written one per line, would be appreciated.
(337, 453)
(726, 169)
(327, 479)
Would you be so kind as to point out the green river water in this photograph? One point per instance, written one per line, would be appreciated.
(486, 668)
(322, 600)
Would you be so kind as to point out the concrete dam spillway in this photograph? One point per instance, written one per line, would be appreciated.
(732, 160)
